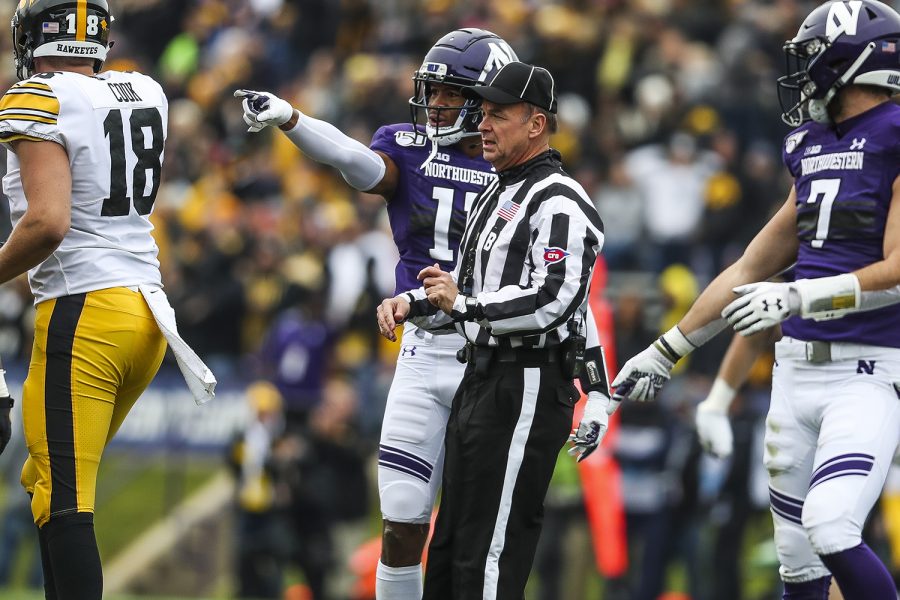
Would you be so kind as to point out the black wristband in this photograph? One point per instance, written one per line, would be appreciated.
(593, 377)
(666, 349)
(6, 402)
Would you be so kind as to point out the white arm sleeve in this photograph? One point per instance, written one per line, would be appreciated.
(323, 142)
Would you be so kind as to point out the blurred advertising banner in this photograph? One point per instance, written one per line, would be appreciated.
(166, 415)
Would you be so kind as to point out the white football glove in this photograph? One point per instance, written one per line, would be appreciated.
(714, 429)
(642, 376)
(593, 425)
(761, 305)
(264, 109)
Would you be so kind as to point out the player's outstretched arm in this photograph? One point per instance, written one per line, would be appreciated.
(47, 182)
(772, 250)
(363, 168)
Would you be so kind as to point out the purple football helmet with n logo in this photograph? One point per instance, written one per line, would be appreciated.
(460, 58)
(839, 43)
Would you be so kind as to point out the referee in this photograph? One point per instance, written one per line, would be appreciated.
(526, 259)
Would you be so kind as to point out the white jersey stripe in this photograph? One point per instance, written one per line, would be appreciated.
(516, 455)
(28, 111)
(32, 92)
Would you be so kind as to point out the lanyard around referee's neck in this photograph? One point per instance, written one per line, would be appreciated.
(469, 248)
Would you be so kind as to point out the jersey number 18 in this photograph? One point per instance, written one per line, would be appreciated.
(145, 159)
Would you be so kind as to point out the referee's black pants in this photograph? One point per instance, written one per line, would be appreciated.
(506, 428)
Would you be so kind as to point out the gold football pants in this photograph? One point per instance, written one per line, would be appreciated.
(94, 354)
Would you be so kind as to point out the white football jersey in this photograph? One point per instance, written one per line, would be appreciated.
(113, 127)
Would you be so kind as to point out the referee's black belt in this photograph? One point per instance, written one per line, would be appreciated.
(484, 356)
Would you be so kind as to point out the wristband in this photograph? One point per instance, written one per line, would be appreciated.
(593, 377)
(828, 298)
(674, 345)
(720, 396)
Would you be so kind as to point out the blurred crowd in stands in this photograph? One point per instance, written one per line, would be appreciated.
(669, 118)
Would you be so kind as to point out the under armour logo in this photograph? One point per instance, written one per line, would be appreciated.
(408, 351)
(766, 304)
(866, 366)
(858, 144)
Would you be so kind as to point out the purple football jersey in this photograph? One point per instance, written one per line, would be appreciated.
(428, 209)
(843, 177)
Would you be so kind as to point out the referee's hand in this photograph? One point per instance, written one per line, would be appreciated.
(389, 313)
(439, 287)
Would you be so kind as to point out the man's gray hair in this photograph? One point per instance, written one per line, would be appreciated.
(552, 120)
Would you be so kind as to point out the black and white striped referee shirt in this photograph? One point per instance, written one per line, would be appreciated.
(526, 257)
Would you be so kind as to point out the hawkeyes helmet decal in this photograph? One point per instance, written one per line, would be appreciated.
(460, 58)
(839, 43)
(78, 28)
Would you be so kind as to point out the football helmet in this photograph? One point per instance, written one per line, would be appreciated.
(60, 28)
(839, 43)
(460, 58)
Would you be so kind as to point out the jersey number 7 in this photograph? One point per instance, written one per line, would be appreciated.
(826, 190)
(147, 159)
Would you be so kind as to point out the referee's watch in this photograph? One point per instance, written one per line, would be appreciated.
(464, 308)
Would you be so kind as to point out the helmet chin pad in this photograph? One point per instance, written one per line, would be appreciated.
(818, 111)
(465, 126)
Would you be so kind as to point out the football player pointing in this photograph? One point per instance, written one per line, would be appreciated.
(84, 161)
(834, 420)
(427, 193)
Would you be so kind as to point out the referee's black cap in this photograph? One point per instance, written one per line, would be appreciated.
(518, 82)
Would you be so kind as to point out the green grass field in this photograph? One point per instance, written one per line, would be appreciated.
(134, 491)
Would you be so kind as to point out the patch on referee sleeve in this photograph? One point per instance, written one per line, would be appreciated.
(554, 255)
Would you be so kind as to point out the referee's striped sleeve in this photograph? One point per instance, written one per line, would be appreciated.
(30, 111)
(567, 238)
(424, 314)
